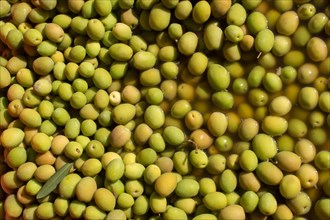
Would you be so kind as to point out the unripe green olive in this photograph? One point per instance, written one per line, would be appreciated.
(256, 21)
(317, 22)
(201, 12)
(316, 49)
(187, 43)
(220, 8)
(235, 9)
(159, 17)
(287, 23)
(213, 36)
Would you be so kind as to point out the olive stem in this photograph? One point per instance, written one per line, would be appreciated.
(195, 145)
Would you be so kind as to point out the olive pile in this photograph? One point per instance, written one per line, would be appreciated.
(165, 109)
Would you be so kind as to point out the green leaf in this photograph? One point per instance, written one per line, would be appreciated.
(54, 180)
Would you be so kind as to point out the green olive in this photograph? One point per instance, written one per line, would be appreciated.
(282, 45)
(258, 143)
(317, 22)
(306, 11)
(218, 77)
(287, 23)
(288, 74)
(324, 101)
(256, 21)
(213, 36)
(316, 49)
(197, 63)
(294, 58)
(143, 60)
(201, 12)
(272, 82)
(231, 16)
(258, 97)
(233, 33)
(297, 128)
(274, 125)
(223, 100)
(183, 10)
(307, 73)
(264, 41)
(301, 36)
(187, 43)
(125, 53)
(280, 106)
(308, 97)
(159, 17)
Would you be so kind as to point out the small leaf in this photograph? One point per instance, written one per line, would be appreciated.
(54, 180)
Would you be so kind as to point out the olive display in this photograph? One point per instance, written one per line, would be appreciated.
(164, 109)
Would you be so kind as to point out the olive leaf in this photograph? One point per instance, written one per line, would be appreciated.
(54, 180)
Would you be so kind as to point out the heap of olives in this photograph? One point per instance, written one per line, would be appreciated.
(165, 109)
